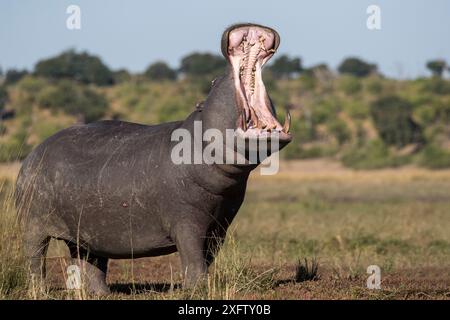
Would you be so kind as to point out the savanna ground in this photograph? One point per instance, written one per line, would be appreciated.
(346, 220)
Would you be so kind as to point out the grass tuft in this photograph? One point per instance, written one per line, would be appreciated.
(307, 270)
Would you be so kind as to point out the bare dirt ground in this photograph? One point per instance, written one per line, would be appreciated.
(154, 279)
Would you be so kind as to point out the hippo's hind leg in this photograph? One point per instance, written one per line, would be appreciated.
(35, 246)
(95, 268)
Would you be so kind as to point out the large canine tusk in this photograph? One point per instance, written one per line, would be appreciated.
(287, 122)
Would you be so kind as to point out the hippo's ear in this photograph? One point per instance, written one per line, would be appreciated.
(226, 39)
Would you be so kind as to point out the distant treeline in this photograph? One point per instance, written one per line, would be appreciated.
(354, 114)
(89, 69)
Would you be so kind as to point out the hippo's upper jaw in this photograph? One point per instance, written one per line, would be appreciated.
(248, 47)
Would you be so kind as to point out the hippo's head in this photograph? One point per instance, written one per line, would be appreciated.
(239, 100)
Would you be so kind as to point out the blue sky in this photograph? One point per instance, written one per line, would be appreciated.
(132, 34)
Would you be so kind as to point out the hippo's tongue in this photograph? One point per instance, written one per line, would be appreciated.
(249, 48)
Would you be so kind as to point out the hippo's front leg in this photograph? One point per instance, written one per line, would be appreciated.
(190, 242)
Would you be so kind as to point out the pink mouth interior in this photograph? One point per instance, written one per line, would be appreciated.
(249, 48)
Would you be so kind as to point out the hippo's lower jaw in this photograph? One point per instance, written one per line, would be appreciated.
(248, 48)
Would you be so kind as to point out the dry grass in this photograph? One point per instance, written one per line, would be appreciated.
(397, 219)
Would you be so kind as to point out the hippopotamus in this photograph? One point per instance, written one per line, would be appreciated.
(111, 190)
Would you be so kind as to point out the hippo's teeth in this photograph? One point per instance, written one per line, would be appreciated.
(244, 122)
(251, 47)
(287, 122)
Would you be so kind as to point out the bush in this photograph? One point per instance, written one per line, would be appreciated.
(74, 100)
(356, 109)
(350, 85)
(392, 116)
(374, 155)
(80, 67)
(160, 71)
(308, 82)
(284, 67)
(433, 112)
(13, 76)
(326, 109)
(202, 64)
(303, 132)
(434, 157)
(121, 75)
(339, 129)
(437, 85)
(317, 69)
(437, 67)
(374, 86)
(16, 148)
(356, 67)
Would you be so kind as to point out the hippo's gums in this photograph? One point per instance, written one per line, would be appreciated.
(110, 189)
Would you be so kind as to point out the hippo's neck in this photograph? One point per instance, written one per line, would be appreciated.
(219, 112)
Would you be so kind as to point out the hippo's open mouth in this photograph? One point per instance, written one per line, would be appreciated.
(248, 48)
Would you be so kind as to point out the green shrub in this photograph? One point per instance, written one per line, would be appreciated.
(284, 67)
(16, 148)
(160, 71)
(436, 85)
(392, 116)
(434, 157)
(81, 67)
(307, 82)
(29, 88)
(356, 67)
(437, 67)
(74, 100)
(374, 86)
(311, 153)
(350, 85)
(325, 110)
(356, 109)
(202, 64)
(13, 76)
(339, 129)
(374, 155)
(121, 76)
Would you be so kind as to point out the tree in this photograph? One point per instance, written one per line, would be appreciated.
(356, 67)
(201, 64)
(12, 76)
(81, 67)
(121, 75)
(285, 67)
(160, 71)
(74, 99)
(437, 67)
(321, 67)
(392, 116)
(320, 70)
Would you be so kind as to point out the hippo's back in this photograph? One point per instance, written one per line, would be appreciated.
(102, 172)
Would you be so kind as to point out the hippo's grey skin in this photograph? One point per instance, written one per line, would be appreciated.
(110, 189)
